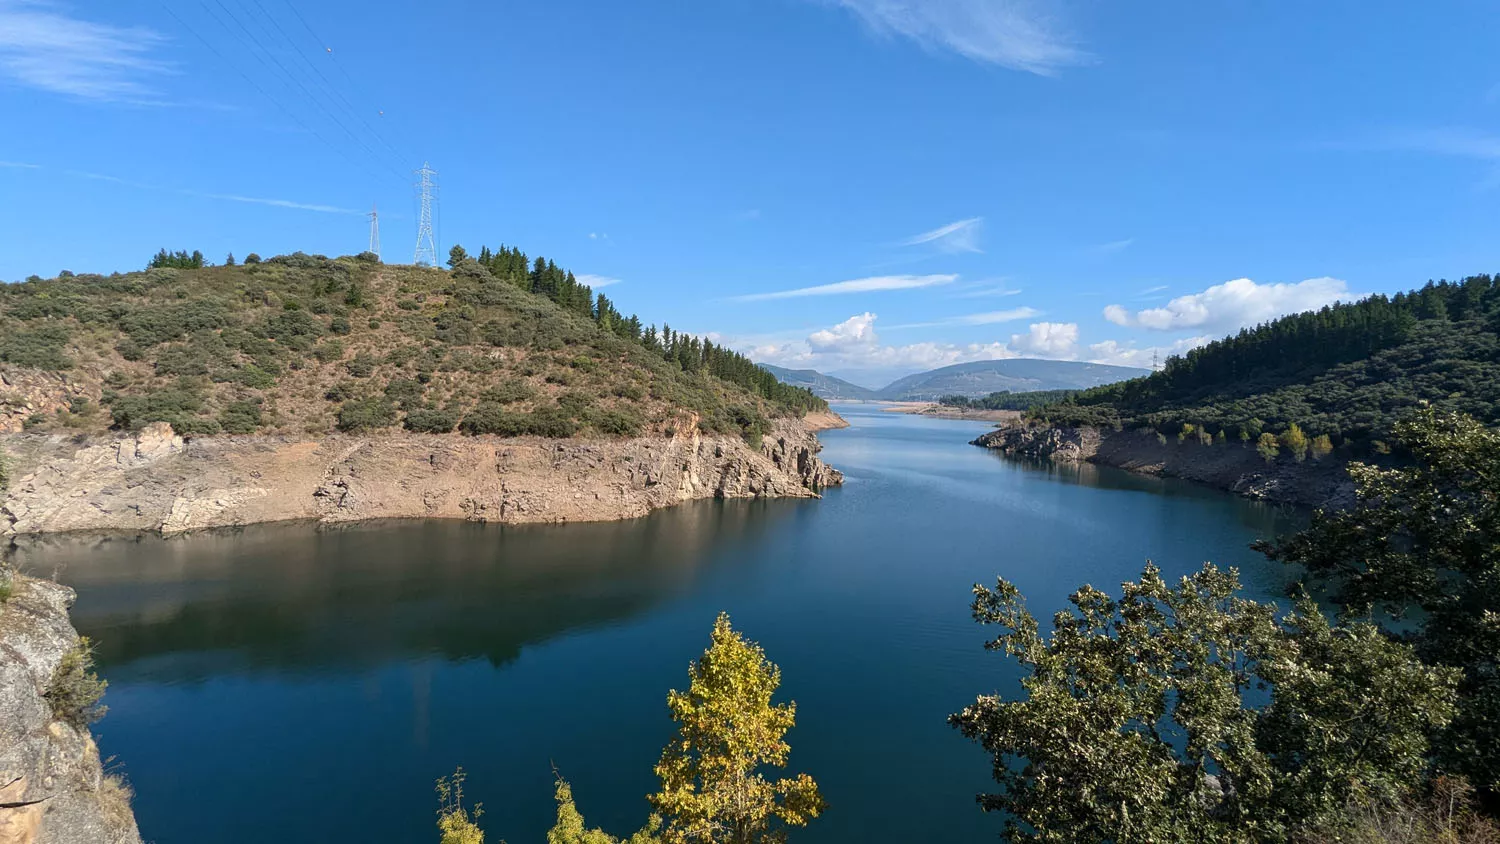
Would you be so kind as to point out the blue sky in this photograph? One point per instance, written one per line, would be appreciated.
(867, 187)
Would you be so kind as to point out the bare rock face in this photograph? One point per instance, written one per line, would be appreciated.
(1233, 467)
(52, 787)
(24, 392)
(157, 481)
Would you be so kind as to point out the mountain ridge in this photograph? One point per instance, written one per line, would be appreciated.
(975, 379)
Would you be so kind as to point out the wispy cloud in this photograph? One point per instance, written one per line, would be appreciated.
(1018, 34)
(986, 318)
(859, 285)
(20, 165)
(44, 48)
(223, 197)
(596, 281)
(1114, 245)
(960, 236)
(1150, 290)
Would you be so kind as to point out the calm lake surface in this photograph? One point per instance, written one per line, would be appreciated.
(298, 684)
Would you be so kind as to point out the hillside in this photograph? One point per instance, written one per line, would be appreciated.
(1020, 375)
(820, 385)
(306, 345)
(1346, 372)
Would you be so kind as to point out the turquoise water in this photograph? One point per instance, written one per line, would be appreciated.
(304, 684)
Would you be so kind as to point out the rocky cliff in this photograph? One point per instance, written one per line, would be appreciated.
(1234, 467)
(53, 789)
(158, 481)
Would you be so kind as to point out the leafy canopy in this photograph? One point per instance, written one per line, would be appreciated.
(1134, 723)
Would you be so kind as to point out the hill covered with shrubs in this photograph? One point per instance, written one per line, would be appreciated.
(498, 344)
(1346, 373)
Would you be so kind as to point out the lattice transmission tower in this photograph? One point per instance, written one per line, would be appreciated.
(374, 216)
(426, 244)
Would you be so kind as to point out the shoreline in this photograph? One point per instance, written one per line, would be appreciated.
(1235, 468)
(937, 411)
(155, 481)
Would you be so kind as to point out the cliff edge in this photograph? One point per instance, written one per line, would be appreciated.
(1234, 467)
(53, 789)
(156, 480)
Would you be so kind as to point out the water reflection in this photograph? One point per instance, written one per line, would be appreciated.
(294, 597)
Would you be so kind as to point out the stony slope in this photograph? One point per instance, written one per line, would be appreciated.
(53, 789)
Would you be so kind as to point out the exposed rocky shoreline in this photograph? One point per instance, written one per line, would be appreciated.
(1233, 467)
(53, 789)
(156, 480)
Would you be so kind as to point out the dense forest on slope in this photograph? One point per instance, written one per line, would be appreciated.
(1006, 400)
(1346, 372)
(304, 343)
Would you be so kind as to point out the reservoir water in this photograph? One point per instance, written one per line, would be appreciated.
(304, 684)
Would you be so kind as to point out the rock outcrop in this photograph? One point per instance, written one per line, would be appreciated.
(157, 481)
(1234, 467)
(53, 789)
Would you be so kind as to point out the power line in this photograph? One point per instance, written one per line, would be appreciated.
(293, 79)
(328, 86)
(274, 101)
(354, 85)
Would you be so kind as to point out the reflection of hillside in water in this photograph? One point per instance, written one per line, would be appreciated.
(1264, 518)
(300, 597)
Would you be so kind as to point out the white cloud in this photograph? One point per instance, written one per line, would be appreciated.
(853, 333)
(960, 236)
(986, 318)
(41, 47)
(1048, 340)
(1128, 354)
(20, 165)
(1233, 304)
(986, 290)
(1018, 34)
(1114, 245)
(226, 197)
(859, 285)
(596, 281)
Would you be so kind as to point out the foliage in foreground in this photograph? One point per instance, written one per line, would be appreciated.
(1135, 726)
(1424, 540)
(713, 790)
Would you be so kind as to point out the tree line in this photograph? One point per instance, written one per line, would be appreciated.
(544, 277)
(1347, 371)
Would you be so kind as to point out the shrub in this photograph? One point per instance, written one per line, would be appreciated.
(618, 423)
(551, 422)
(340, 325)
(490, 417)
(75, 691)
(362, 365)
(404, 391)
(252, 258)
(429, 420)
(508, 392)
(329, 351)
(240, 417)
(37, 348)
(178, 406)
(1268, 446)
(366, 415)
(254, 377)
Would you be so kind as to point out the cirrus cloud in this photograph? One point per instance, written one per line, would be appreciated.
(1018, 34)
(1233, 305)
(43, 48)
(858, 285)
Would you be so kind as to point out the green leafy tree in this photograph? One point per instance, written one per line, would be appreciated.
(1426, 537)
(1133, 725)
(1268, 446)
(1321, 446)
(456, 256)
(711, 788)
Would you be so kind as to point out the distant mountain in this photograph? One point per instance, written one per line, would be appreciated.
(971, 380)
(1019, 375)
(822, 386)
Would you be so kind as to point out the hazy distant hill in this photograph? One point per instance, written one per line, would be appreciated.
(1020, 375)
(822, 386)
(971, 380)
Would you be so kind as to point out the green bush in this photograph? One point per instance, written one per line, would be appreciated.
(429, 420)
(38, 348)
(178, 406)
(240, 417)
(617, 422)
(362, 365)
(366, 415)
(75, 691)
(329, 351)
(508, 392)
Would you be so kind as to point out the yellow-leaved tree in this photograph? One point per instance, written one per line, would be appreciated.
(711, 788)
